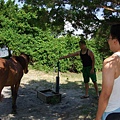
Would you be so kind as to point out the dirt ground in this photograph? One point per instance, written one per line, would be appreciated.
(29, 107)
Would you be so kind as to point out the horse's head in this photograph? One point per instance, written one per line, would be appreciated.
(27, 60)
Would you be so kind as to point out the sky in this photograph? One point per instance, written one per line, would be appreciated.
(16, 2)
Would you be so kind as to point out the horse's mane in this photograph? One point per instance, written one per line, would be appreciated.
(21, 60)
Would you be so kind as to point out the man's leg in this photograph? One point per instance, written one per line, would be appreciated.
(86, 82)
(96, 88)
(94, 80)
(86, 89)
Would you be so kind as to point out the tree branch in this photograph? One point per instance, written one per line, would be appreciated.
(110, 9)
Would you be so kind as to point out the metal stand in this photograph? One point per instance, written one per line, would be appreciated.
(49, 96)
(57, 79)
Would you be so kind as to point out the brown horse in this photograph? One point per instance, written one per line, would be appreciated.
(11, 72)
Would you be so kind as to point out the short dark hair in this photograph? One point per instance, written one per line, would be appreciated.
(82, 42)
(115, 31)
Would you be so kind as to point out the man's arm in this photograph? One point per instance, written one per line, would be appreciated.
(70, 55)
(108, 73)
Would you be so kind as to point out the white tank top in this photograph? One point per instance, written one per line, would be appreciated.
(114, 100)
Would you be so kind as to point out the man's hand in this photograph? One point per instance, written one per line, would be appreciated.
(92, 71)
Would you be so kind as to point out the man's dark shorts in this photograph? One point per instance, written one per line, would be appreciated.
(87, 75)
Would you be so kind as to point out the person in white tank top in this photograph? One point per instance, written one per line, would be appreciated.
(109, 100)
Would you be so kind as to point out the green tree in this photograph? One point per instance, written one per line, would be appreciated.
(81, 14)
(28, 30)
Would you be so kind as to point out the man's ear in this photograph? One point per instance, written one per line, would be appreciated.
(115, 41)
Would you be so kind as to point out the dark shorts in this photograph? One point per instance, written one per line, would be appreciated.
(87, 75)
(113, 115)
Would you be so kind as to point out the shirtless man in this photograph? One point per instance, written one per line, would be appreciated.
(109, 100)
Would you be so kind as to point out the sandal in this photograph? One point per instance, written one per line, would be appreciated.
(84, 97)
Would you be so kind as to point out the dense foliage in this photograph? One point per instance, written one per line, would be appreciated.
(28, 29)
(94, 17)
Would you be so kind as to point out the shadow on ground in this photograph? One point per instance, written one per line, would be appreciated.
(30, 107)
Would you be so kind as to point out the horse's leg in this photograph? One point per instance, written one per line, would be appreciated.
(13, 99)
(3, 80)
(14, 90)
(1, 96)
(1, 87)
